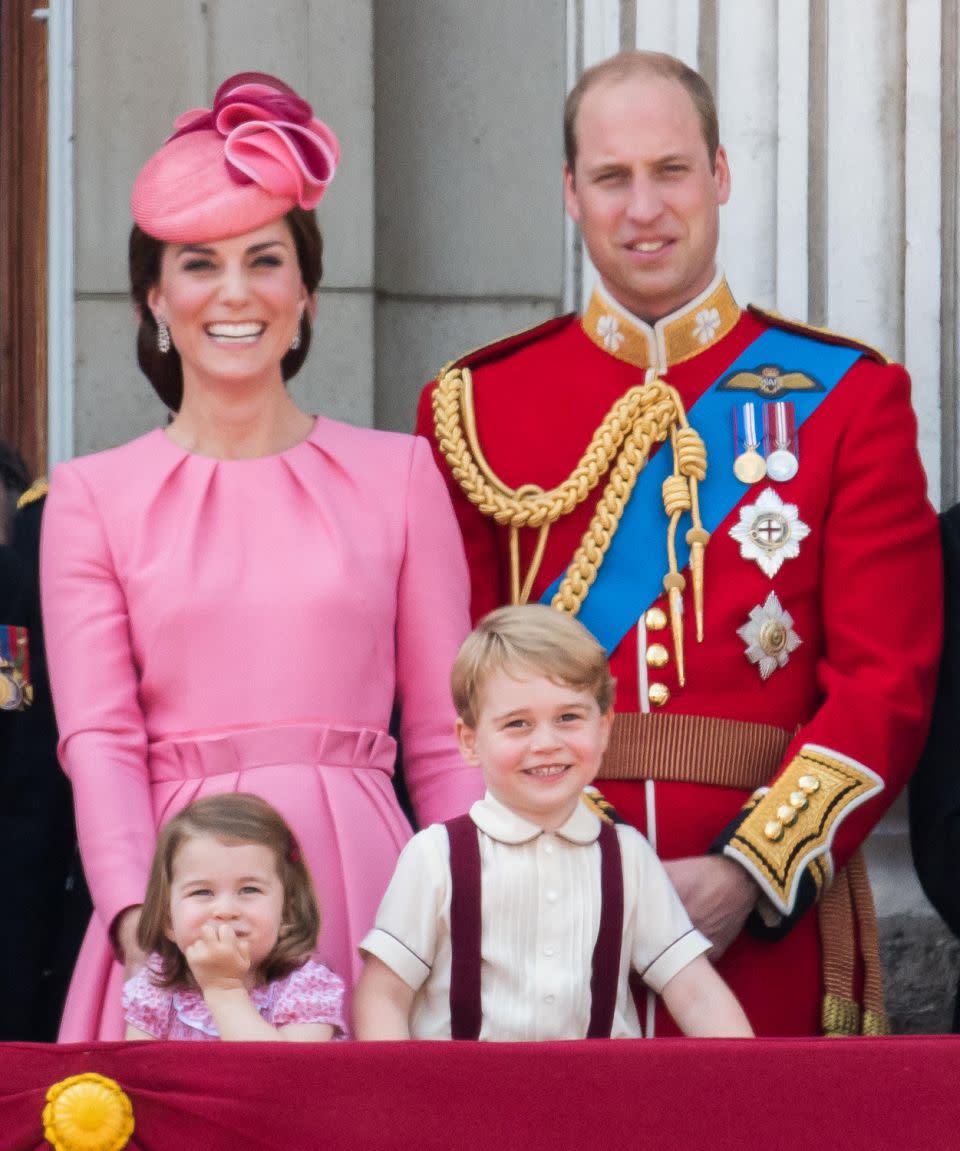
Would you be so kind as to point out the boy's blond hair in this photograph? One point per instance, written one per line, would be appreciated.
(534, 638)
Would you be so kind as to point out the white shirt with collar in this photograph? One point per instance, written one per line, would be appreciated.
(541, 916)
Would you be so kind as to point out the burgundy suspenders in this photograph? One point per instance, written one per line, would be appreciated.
(464, 928)
(465, 923)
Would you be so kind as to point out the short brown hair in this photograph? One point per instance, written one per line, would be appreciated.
(164, 370)
(233, 818)
(537, 638)
(631, 63)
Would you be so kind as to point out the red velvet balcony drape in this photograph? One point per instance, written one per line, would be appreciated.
(669, 1095)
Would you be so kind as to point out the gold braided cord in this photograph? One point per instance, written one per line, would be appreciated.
(652, 426)
(455, 428)
(642, 417)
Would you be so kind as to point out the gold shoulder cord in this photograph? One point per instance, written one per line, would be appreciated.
(641, 417)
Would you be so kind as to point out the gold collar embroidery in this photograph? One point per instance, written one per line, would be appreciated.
(675, 338)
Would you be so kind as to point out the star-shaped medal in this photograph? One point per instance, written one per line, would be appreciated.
(769, 636)
(769, 532)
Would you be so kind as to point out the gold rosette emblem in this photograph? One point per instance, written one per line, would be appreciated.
(87, 1113)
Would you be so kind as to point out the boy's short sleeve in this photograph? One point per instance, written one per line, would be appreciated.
(414, 909)
(147, 1006)
(663, 940)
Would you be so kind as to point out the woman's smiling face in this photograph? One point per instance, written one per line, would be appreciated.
(233, 306)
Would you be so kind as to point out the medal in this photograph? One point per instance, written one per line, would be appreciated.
(769, 636)
(749, 466)
(16, 691)
(769, 532)
(780, 433)
(7, 693)
(11, 693)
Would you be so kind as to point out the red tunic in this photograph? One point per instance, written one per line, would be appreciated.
(864, 595)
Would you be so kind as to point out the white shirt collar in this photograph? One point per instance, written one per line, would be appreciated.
(501, 823)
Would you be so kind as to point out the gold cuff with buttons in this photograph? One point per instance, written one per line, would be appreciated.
(790, 827)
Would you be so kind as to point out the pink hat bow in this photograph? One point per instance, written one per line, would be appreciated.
(270, 137)
(228, 169)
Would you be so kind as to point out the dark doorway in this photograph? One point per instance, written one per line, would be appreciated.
(23, 231)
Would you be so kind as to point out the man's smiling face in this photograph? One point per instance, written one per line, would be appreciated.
(644, 193)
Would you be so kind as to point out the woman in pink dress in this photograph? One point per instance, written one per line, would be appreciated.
(237, 602)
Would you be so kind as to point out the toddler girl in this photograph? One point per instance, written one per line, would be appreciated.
(230, 921)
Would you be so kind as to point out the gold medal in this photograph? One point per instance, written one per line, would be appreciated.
(10, 694)
(749, 467)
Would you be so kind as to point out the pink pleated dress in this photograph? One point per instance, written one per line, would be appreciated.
(247, 625)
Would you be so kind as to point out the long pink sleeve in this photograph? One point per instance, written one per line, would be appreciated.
(94, 682)
(432, 622)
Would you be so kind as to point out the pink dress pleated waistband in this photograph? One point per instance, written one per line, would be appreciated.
(221, 753)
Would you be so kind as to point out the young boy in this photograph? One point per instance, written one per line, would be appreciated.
(524, 920)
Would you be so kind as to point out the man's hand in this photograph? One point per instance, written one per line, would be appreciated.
(218, 959)
(718, 895)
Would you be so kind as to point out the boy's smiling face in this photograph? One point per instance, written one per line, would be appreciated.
(538, 742)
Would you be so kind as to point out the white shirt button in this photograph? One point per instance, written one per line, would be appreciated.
(549, 998)
(552, 897)
(548, 950)
(548, 848)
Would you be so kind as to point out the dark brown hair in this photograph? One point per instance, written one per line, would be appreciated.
(534, 638)
(233, 819)
(631, 63)
(164, 371)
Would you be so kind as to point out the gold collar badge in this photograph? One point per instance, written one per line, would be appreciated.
(675, 338)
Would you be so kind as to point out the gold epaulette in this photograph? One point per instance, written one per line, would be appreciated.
(37, 490)
(487, 352)
(775, 320)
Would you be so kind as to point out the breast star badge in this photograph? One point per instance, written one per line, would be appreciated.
(769, 532)
(769, 636)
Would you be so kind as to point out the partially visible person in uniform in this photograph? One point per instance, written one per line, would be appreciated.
(734, 504)
(47, 905)
(935, 786)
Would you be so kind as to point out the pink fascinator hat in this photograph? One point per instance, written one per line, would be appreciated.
(226, 170)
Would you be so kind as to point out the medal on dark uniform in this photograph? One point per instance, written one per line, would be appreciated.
(16, 691)
(748, 466)
(11, 693)
(780, 435)
(8, 693)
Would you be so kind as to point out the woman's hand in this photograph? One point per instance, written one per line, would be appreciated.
(218, 959)
(134, 957)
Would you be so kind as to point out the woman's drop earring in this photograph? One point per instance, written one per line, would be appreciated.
(163, 336)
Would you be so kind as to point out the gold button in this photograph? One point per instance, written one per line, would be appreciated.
(798, 800)
(808, 783)
(657, 655)
(787, 814)
(659, 694)
(655, 619)
(773, 830)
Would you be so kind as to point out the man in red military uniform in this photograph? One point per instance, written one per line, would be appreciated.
(735, 505)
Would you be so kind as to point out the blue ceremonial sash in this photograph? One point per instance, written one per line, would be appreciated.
(631, 575)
